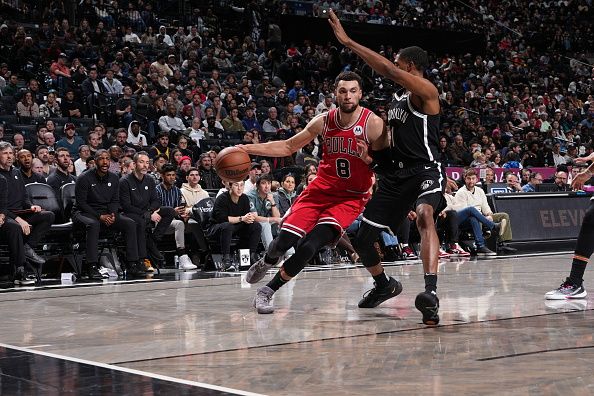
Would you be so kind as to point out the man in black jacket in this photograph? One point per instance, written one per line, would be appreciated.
(11, 232)
(231, 215)
(209, 179)
(97, 205)
(140, 202)
(60, 175)
(94, 91)
(92, 84)
(34, 221)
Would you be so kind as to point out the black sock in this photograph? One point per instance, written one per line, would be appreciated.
(180, 251)
(382, 280)
(578, 267)
(430, 282)
(276, 282)
(270, 260)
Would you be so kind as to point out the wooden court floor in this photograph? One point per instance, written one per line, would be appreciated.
(497, 335)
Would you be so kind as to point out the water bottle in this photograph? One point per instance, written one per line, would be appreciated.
(176, 261)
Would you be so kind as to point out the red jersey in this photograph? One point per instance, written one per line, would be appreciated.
(341, 170)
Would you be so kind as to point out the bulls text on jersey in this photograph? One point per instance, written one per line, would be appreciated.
(340, 145)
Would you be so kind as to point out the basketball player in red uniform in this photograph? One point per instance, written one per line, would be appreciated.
(338, 194)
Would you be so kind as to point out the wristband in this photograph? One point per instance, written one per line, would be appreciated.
(240, 218)
(273, 205)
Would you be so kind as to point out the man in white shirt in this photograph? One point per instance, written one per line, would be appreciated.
(131, 37)
(135, 137)
(166, 38)
(558, 157)
(471, 196)
(80, 165)
(196, 131)
(255, 172)
(326, 105)
(171, 120)
(210, 116)
(161, 65)
(112, 85)
(194, 35)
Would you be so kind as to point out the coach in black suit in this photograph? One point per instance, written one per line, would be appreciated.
(140, 202)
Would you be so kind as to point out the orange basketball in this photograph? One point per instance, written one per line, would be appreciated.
(232, 164)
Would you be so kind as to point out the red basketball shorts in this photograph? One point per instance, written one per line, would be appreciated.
(316, 206)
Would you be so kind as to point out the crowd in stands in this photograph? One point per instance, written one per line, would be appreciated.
(118, 81)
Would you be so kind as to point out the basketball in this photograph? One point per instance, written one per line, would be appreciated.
(233, 164)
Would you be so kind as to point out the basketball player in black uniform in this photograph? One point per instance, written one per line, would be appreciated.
(412, 178)
(573, 287)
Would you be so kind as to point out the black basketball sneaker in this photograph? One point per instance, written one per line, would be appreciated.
(374, 297)
(428, 304)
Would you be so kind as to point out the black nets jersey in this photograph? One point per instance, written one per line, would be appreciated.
(415, 135)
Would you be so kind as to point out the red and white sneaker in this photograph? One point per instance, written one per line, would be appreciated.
(443, 254)
(456, 250)
(408, 253)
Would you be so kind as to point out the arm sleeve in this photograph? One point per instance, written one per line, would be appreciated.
(461, 200)
(485, 208)
(220, 212)
(163, 124)
(81, 192)
(244, 206)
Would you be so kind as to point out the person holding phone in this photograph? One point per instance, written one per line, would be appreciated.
(170, 195)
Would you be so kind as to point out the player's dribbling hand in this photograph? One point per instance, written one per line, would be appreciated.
(242, 147)
(363, 151)
(583, 160)
(452, 185)
(580, 179)
(337, 27)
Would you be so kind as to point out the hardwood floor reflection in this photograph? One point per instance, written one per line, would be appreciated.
(498, 335)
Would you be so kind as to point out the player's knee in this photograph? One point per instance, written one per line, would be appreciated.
(369, 255)
(363, 243)
(282, 243)
(424, 216)
(310, 248)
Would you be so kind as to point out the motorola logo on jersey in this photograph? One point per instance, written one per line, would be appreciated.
(358, 131)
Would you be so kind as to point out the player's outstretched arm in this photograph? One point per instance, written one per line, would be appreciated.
(583, 160)
(417, 85)
(283, 148)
